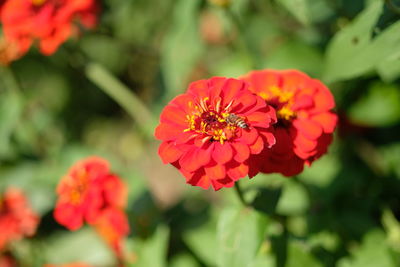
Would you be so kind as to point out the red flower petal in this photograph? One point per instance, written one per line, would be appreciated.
(327, 121)
(242, 151)
(257, 147)
(238, 171)
(218, 184)
(200, 179)
(215, 172)
(304, 144)
(169, 152)
(173, 115)
(249, 136)
(195, 158)
(222, 153)
(167, 133)
(308, 128)
(68, 215)
(230, 89)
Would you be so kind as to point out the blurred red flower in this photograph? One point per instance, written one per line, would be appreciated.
(77, 264)
(211, 132)
(9, 51)
(86, 191)
(113, 226)
(17, 219)
(49, 22)
(305, 121)
(7, 260)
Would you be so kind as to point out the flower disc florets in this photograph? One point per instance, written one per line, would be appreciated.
(212, 132)
(305, 120)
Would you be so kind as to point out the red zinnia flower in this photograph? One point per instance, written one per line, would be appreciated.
(50, 22)
(305, 121)
(211, 132)
(86, 191)
(17, 219)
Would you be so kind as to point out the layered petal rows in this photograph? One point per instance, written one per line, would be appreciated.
(48, 22)
(305, 119)
(211, 132)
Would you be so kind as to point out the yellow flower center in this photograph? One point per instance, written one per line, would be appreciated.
(38, 2)
(210, 121)
(282, 101)
(79, 190)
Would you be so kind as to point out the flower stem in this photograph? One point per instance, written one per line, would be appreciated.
(239, 193)
(123, 95)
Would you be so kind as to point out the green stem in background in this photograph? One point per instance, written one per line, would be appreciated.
(239, 193)
(242, 40)
(123, 96)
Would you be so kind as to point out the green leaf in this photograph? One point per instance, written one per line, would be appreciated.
(183, 260)
(392, 228)
(153, 251)
(80, 246)
(299, 255)
(372, 252)
(182, 46)
(240, 233)
(322, 172)
(10, 111)
(308, 11)
(296, 55)
(203, 242)
(298, 8)
(266, 200)
(234, 65)
(294, 199)
(391, 158)
(105, 50)
(350, 53)
(380, 106)
(389, 68)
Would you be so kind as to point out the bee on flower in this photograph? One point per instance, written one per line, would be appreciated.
(212, 132)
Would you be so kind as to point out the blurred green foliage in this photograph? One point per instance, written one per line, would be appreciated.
(343, 211)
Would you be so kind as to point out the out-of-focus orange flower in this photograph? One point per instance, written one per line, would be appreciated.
(17, 219)
(9, 51)
(49, 22)
(113, 226)
(212, 132)
(86, 191)
(77, 264)
(90, 193)
(305, 121)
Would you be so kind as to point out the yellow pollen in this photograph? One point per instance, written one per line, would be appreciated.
(285, 113)
(210, 120)
(79, 189)
(38, 2)
(285, 99)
